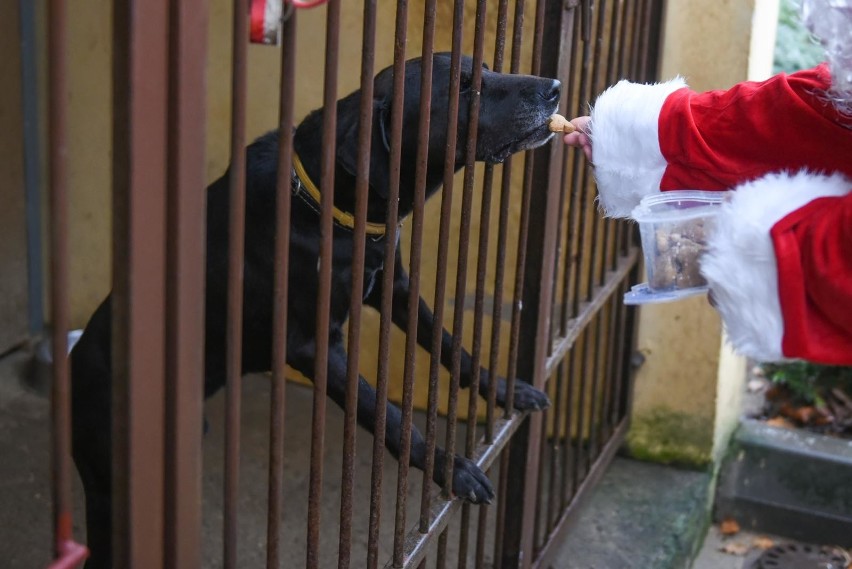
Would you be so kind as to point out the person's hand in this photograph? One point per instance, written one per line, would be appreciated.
(580, 137)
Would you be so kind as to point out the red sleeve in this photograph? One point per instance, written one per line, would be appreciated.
(813, 248)
(718, 139)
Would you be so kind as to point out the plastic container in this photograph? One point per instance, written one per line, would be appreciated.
(674, 227)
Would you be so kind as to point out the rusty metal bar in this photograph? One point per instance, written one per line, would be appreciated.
(596, 380)
(567, 424)
(481, 531)
(608, 260)
(505, 201)
(327, 169)
(185, 279)
(280, 293)
(415, 250)
(461, 272)
(368, 48)
(66, 552)
(236, 244)
(596, 83)
(441, 562)
(441, 270)
(612, 345)
(140, 79)
(571, 181)
(387, 283)
(505, 189)
(556, 447)
(549, 172)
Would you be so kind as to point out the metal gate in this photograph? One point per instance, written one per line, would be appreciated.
(560, 267)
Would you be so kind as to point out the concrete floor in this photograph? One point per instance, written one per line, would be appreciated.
(25, 506)
(625, 526)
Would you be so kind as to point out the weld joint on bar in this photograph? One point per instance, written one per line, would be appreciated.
(589, 309)
(416, 541)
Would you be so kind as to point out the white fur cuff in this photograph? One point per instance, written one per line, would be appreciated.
(629, 164)
(740, 265)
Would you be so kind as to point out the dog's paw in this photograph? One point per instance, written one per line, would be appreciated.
(470, 483)
(528, 398)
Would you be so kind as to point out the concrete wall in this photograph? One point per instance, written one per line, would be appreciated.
(13, 237)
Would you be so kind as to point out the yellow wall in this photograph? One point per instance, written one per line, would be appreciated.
(89, 52)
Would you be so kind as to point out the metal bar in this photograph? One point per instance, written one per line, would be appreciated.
(417, 541)
(280, 293)
(415, 250)
(610, 370)
(540, 480)
(584, 492)
(500, 263)
(391, 223)
(140, 79)
(596, 376)
(441, 562)
(572, 230)
(500, 524)
(556, 449)
(441, 269)
(449, 169)
(596, 84)
(481, 531)
(236, 244)
(368, 49)
(533, 324)
(461, 272)
(568, 423)
(64, 548)
(327, 169)
(185, 278)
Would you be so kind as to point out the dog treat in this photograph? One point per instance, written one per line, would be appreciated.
(558, 123)
(679, 249)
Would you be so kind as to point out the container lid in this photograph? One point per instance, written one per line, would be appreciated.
(643, 294)
(677, 205)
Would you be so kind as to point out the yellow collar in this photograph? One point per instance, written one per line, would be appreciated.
(343, 218)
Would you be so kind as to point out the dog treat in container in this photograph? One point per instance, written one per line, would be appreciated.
(674, 227)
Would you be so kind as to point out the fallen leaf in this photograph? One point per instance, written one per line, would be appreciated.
(729, 526)
(735, 548)
(780, 422)
(804, 414)
(762, 542)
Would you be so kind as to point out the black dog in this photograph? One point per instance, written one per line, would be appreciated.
(513, 117)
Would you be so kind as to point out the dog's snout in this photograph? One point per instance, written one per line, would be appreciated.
(551, 92)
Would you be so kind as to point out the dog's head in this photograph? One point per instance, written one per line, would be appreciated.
(513, 117)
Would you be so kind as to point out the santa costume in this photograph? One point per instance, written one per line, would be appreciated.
(780, 264)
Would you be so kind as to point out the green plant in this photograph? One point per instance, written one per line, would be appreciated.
(807, 381)
(795, 49)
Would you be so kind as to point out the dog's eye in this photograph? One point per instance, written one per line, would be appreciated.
(466, 82)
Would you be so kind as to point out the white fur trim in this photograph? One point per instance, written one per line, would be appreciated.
(740, 264)
(629, 164)
(271, 21)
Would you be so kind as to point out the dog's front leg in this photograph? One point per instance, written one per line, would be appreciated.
(469, 482)
(526, 397)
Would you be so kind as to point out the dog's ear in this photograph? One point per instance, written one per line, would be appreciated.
(347, 145)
